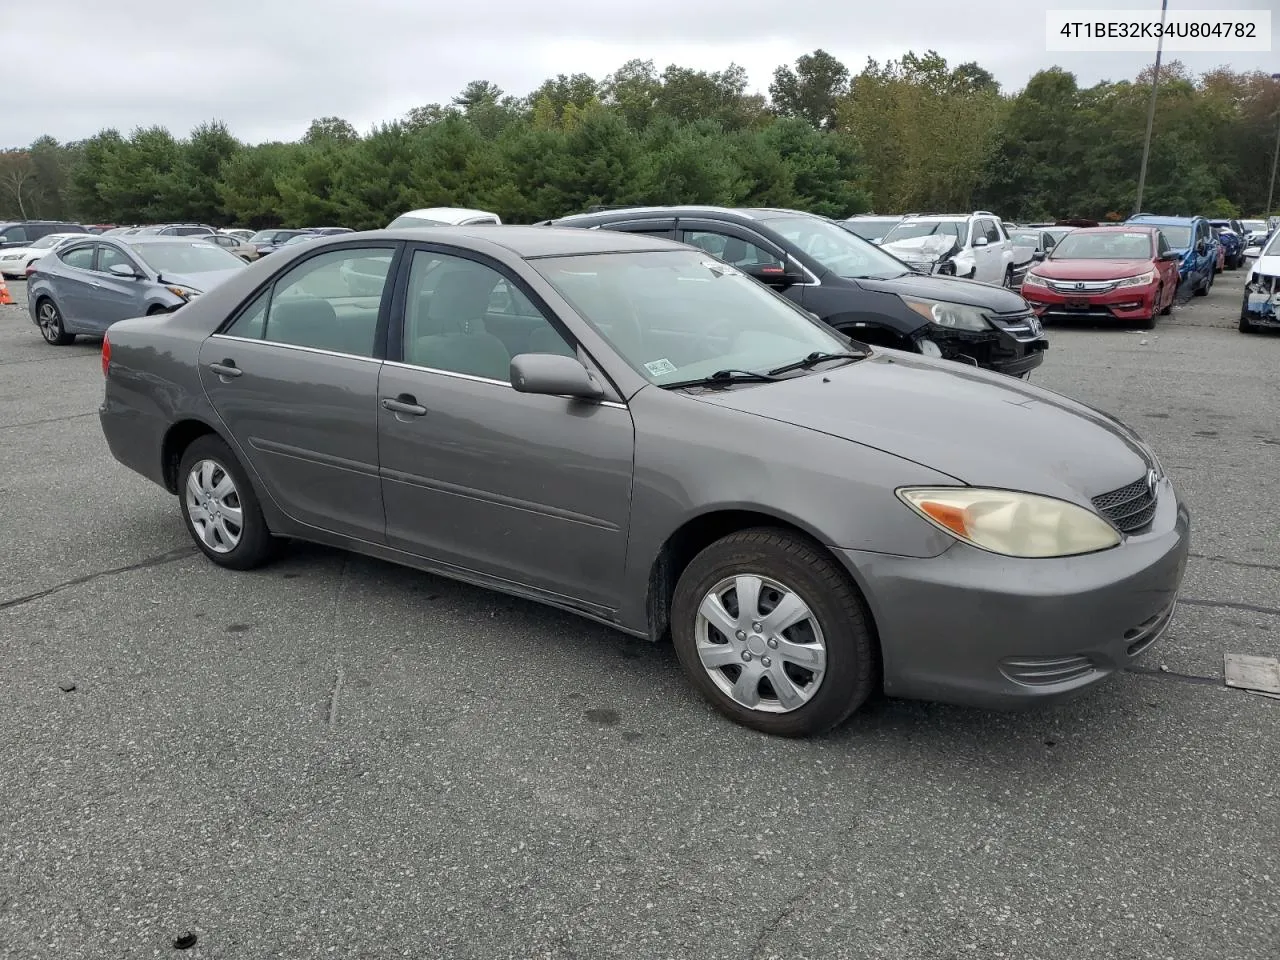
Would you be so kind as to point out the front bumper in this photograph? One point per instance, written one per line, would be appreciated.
(1122, 303)
(977, 629)
(1014, 346)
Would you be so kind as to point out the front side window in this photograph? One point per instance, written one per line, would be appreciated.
(733, 250)
(79, 257)
(450, 323)
(313, 304)
(680, 315)
(14, 235)
(993, 230)
(109, 256)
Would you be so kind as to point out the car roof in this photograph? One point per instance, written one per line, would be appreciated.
(1163, 221)
(1118, 228)
(447, 214)
(525, 242)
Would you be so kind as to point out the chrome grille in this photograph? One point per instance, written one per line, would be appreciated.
(1020, 326)
(1131, 508)
(1082, 286)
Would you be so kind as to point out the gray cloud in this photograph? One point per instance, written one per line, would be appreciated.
(267, 67)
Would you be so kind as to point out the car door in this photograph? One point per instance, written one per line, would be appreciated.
(528, 489)
(72, 285)
(294, 377)
(114, 297)
(987, 256)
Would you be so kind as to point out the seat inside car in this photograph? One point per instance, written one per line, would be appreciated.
(449, 329)
(313, 322)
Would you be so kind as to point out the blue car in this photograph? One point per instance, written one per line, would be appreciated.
(1231, 235)
(84, 287)
(1196, 243)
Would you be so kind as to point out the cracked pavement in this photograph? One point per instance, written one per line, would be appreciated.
(337, 757)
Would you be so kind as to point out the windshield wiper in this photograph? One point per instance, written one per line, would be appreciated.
(813, 359)
(721, 377)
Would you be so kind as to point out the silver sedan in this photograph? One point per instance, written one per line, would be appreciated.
(626, 428)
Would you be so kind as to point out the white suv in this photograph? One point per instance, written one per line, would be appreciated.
(973, 245)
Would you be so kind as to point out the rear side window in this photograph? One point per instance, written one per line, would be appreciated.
(329, 302)
(79, 257)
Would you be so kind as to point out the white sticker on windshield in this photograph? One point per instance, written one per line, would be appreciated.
(719, 268)
(658, 368)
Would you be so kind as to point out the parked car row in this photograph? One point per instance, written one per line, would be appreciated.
(638, 416)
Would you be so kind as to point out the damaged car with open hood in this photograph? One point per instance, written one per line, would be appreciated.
(1261, 306)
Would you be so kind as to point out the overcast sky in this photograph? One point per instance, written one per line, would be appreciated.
(268, 67)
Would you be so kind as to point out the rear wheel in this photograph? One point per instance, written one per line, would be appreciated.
(49, 318)
(773, 633)
(220, 508)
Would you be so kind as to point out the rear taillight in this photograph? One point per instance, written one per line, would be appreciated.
(106, 354)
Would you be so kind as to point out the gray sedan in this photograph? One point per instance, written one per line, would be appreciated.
(82, 288)
(623, 427)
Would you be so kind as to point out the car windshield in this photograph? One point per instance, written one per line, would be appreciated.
(407, 221)
(1179, 238)
(1103, 245)
(837, 249)
(264, 236)
(1253, 224)
(1025, 237)
(186, 257)
(44, 243)
(868, 229)
(683, 315)
(1273, 246)
(910, 229)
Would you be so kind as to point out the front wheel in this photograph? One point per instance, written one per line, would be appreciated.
(773, 633)
(219, 506)
(49, 318)
(1008, 278)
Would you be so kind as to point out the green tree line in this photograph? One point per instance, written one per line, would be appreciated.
(906, 135)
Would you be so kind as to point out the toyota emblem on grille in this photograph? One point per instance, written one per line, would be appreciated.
(1153, 480)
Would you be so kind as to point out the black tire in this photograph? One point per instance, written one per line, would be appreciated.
(256, 545)
(1149, 323)
(789, 559)
(1203, 289)
(1169, 309)
(1008, 277)
(1245, 325)
(49, 319)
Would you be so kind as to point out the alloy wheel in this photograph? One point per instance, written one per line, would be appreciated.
(213, 504)
(50, 321)
(760, 643)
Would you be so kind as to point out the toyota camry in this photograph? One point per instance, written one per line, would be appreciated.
(633, 430)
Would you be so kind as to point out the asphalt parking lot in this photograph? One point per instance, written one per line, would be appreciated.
(495, 779)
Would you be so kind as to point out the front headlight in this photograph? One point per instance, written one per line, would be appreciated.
(186, 293)
(1034, 280)
(1141, 280)
(1010, 523)
(955, 316)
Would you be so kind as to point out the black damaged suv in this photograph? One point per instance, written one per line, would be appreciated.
(849, 283)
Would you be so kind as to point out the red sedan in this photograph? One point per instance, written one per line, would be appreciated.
(1125, 273)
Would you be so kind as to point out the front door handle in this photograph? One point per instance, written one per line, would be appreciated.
(406, 403)
(227, 368)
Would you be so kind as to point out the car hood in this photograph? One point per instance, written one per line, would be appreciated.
(915, 248)
(1093, 269)
(972, 293)
(198, 281)
(1268, 266)
(982, 428)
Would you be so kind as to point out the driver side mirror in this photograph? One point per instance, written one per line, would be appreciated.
(123, 270)
(772, 275)
(1039, 256)
(1169, 255)
(554, 375)
(980, 241)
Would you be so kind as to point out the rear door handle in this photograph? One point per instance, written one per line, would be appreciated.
(406, 403)
(227, 368)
